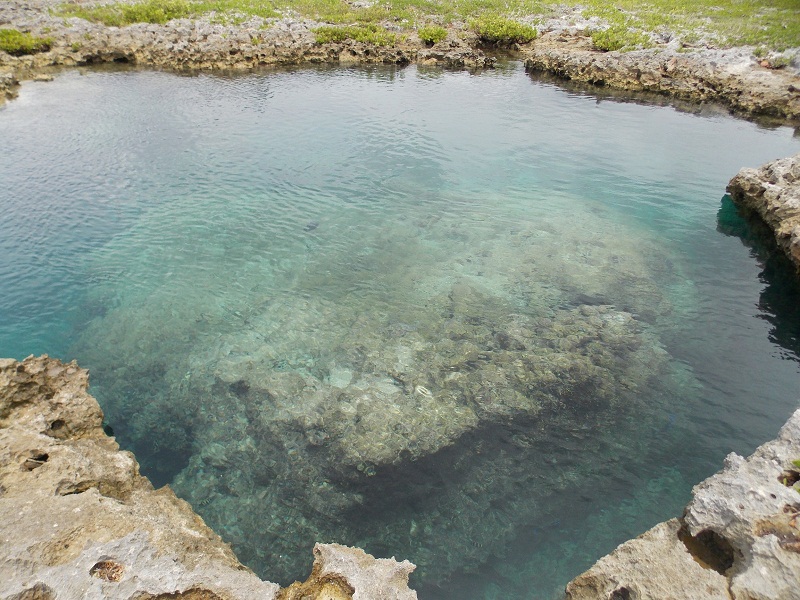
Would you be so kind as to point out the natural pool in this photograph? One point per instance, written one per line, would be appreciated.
(476, 321)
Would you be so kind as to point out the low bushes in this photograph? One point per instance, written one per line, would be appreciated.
(370, 34)
(493, 29)
(18, 43)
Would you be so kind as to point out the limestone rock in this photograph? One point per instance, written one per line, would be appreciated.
(654, 566)
(773, 193)
(77, 520)
(727, 76)
(739, 537)
(342, 572)
(749, 510)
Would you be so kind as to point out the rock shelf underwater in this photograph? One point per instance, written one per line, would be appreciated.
(423, 416)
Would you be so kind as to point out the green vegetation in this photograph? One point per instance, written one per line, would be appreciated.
(371, 34)
(620, 38)
(117, 15)
(162, 11)
(498, 30)
(432, 34)
(774, 24)
(18, 43)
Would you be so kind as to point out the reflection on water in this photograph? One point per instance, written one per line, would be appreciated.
(472, 321)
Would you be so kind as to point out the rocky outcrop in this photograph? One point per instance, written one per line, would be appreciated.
(731, 77)
(77, 520)
(342, 573)
(773, 193)
(739, 537)
(8, 84)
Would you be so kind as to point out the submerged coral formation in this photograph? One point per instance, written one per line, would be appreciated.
(420, 393)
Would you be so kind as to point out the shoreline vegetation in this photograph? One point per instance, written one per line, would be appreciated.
(624, 24)
(741, 53)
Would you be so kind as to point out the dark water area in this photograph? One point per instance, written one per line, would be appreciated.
(481, 322)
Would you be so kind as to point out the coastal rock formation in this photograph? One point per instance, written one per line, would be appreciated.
(730, 77)
(773, 193)
(342, 573)
(739, 537)
(77, 520)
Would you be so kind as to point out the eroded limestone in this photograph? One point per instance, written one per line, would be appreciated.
(738, 539)
(77, 520)
(772, 192)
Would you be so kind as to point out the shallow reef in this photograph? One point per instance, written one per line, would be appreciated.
(421, 392)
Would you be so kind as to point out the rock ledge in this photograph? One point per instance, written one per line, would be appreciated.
(77, 520)
(773, 193)
(739, 538)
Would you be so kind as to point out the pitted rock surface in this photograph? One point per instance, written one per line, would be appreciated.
(77, 520)
(739, 538)
(773, 193)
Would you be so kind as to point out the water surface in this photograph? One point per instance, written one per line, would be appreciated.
(476, 321)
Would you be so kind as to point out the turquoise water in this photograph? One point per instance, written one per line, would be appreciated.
(477, 321)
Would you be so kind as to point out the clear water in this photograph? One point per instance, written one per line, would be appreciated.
(476, 321)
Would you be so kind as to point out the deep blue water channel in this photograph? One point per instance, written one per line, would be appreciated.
(481, 322)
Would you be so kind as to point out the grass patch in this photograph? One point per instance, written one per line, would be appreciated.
(18, 43)
(369, 34)
(432, 34)
(620, 37)
(494, 29)
(774, 24)
(117, 15)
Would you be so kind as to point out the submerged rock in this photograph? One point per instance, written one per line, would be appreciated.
(391, 395)
(77, 520)
(773, 193)
(738, 539)
(479, 396)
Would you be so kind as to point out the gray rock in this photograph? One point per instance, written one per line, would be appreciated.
(77, 520)
(654, 566)
(738, 539)
(730, 77)
(773, 193)
(342, 572)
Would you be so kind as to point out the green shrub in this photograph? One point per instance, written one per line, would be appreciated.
(369, 34)
(432, 34)
(155, 11)
(619, 37)
(118, 15)
(17, 43)
(498, 30)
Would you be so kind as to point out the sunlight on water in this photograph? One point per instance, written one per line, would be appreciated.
(475, 321)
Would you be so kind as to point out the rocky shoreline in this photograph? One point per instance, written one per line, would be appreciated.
(737, 539)
(733, 77)
(729, 77)
(108, 534)
(772, 193)
(77, 520)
